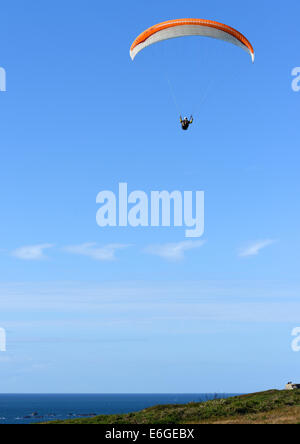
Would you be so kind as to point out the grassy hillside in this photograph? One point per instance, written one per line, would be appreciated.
(266, 407)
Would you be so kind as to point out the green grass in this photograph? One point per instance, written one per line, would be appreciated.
(193, 413)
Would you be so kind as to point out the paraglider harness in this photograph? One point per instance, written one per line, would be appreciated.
(185, 123)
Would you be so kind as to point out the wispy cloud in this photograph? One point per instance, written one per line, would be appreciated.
(174, 252)
(254, 248)
(91, 307)
(31, 252)
(91, 250)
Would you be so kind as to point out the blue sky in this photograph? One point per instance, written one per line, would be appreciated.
(80, 117)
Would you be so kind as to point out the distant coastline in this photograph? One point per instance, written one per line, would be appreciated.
(31, 408)
(271, 407)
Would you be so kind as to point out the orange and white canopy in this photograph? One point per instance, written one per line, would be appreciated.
(184, 27)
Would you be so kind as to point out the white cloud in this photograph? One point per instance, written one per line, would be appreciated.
(105, 253)
(174, 251)
(31, 252)
(254, 248)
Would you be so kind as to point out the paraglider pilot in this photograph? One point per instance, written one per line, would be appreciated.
(185, 123)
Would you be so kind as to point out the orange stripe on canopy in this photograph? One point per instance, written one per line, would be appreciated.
(193, 22)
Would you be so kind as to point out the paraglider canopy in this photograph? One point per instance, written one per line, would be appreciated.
(185, 27)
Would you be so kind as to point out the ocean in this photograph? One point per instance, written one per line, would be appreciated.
(28, 409)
